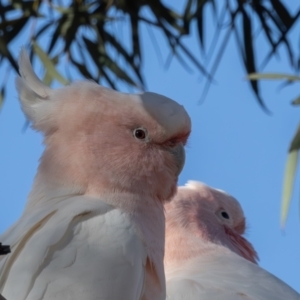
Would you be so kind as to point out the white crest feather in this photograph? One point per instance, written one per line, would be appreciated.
(32, 91)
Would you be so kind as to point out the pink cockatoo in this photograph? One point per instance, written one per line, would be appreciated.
(206, 255)
(94, 226)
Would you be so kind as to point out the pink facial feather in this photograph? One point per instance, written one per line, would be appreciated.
(199, 217)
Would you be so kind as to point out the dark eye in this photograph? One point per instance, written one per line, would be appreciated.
(225, 215)
(140, 133)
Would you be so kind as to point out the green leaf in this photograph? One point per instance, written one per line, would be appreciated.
(2, 95)
(57, 33)
(249, 56)
(135, 36)
(122, 51)
(49, 65)
(200, 17)
(283, 13)
(83, 69)
(272, 76)
(47, 77)
(200, 26)
(288, 184)
(295, 144)
(296, 101)
(261, 12)
(187, 16)
(163, 14)
(289, 176)
(16, 29)
(282, 23)
(43, 29)
(102, 60)
(189, 54)
(4, 51)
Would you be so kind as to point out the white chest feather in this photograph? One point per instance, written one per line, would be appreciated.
(90, 252)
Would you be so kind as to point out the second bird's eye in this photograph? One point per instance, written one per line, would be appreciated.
(225, 215)
(140, 133)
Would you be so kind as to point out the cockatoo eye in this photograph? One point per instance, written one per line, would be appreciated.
(225, 215)
(140, 133)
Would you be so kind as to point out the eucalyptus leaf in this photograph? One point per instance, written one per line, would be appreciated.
(272, 76)
(296, 101)
(2, 95)
(49, 65)
(5, 52)
(48, 78)
(289, 176)
(295, 144)
(68, 22)
(288, 184)
(249, 54)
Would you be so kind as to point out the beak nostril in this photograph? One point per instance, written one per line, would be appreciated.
(172, 143)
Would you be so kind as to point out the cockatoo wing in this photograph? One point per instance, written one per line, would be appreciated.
(226, 276)
(52, 254)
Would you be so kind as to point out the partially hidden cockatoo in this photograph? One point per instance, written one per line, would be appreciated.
(93, 226)
(206, 256)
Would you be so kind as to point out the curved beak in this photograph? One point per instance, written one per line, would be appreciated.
(179, 155)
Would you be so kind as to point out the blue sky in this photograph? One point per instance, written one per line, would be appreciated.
(234, 146)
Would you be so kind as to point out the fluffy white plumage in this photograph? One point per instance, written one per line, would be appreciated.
(53, 253)
(93, 226)
(224, 276)
(201, 262)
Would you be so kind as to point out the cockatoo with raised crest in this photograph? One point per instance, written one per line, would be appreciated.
(206, 256)
(93, 226)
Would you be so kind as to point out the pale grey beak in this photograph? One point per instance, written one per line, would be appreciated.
(179, 154)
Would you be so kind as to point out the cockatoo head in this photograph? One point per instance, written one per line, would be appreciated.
(101, 140)
(201, 213)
